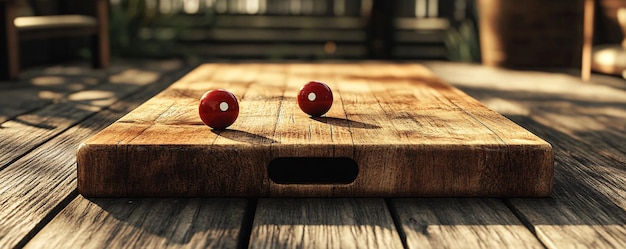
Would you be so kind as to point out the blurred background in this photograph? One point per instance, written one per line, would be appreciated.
(296, 29)
(532, 33)
(277, 30)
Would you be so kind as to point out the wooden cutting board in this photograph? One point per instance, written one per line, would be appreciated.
(394, 130)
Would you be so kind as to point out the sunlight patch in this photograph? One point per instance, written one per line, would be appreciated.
(134, 77)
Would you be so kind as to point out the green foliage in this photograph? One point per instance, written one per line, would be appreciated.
(462, 42)
(138, 30)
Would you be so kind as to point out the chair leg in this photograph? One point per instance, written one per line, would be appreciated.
(4, 58)
(101, 55)
(9, 44)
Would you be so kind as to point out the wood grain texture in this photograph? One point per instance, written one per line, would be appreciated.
(144, 223)
(588, 206)
(323, 223)
(41, 87)
(327, 136)
(185, 173)
(35, 184)
(62, 103)
(410, 134)
(461, 223)
(585, 123)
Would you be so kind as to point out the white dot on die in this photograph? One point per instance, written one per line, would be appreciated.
(311, 96)
(224, 106)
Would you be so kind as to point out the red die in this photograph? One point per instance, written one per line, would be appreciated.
(315, 98)
(218, 108)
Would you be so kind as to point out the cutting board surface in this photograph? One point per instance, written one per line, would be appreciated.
(393, 130)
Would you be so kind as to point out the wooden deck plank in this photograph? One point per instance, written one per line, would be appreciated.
(42, 86)
(323, 223)
(587, 206)
(39, 90)
(48, 173)
(29, 130)
(144, 223)
(584, 122)
(461, 223)
(35, 184)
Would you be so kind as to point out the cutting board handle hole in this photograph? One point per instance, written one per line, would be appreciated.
(313, 170)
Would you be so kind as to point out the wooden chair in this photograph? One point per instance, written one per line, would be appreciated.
(15, 27)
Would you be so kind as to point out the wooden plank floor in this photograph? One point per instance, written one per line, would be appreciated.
(47, 114)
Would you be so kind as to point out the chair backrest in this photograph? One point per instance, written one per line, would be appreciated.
(59, 7)
(621, 20)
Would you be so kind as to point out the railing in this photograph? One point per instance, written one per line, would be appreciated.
(405, 8)
(259, 7)
(415, 28)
